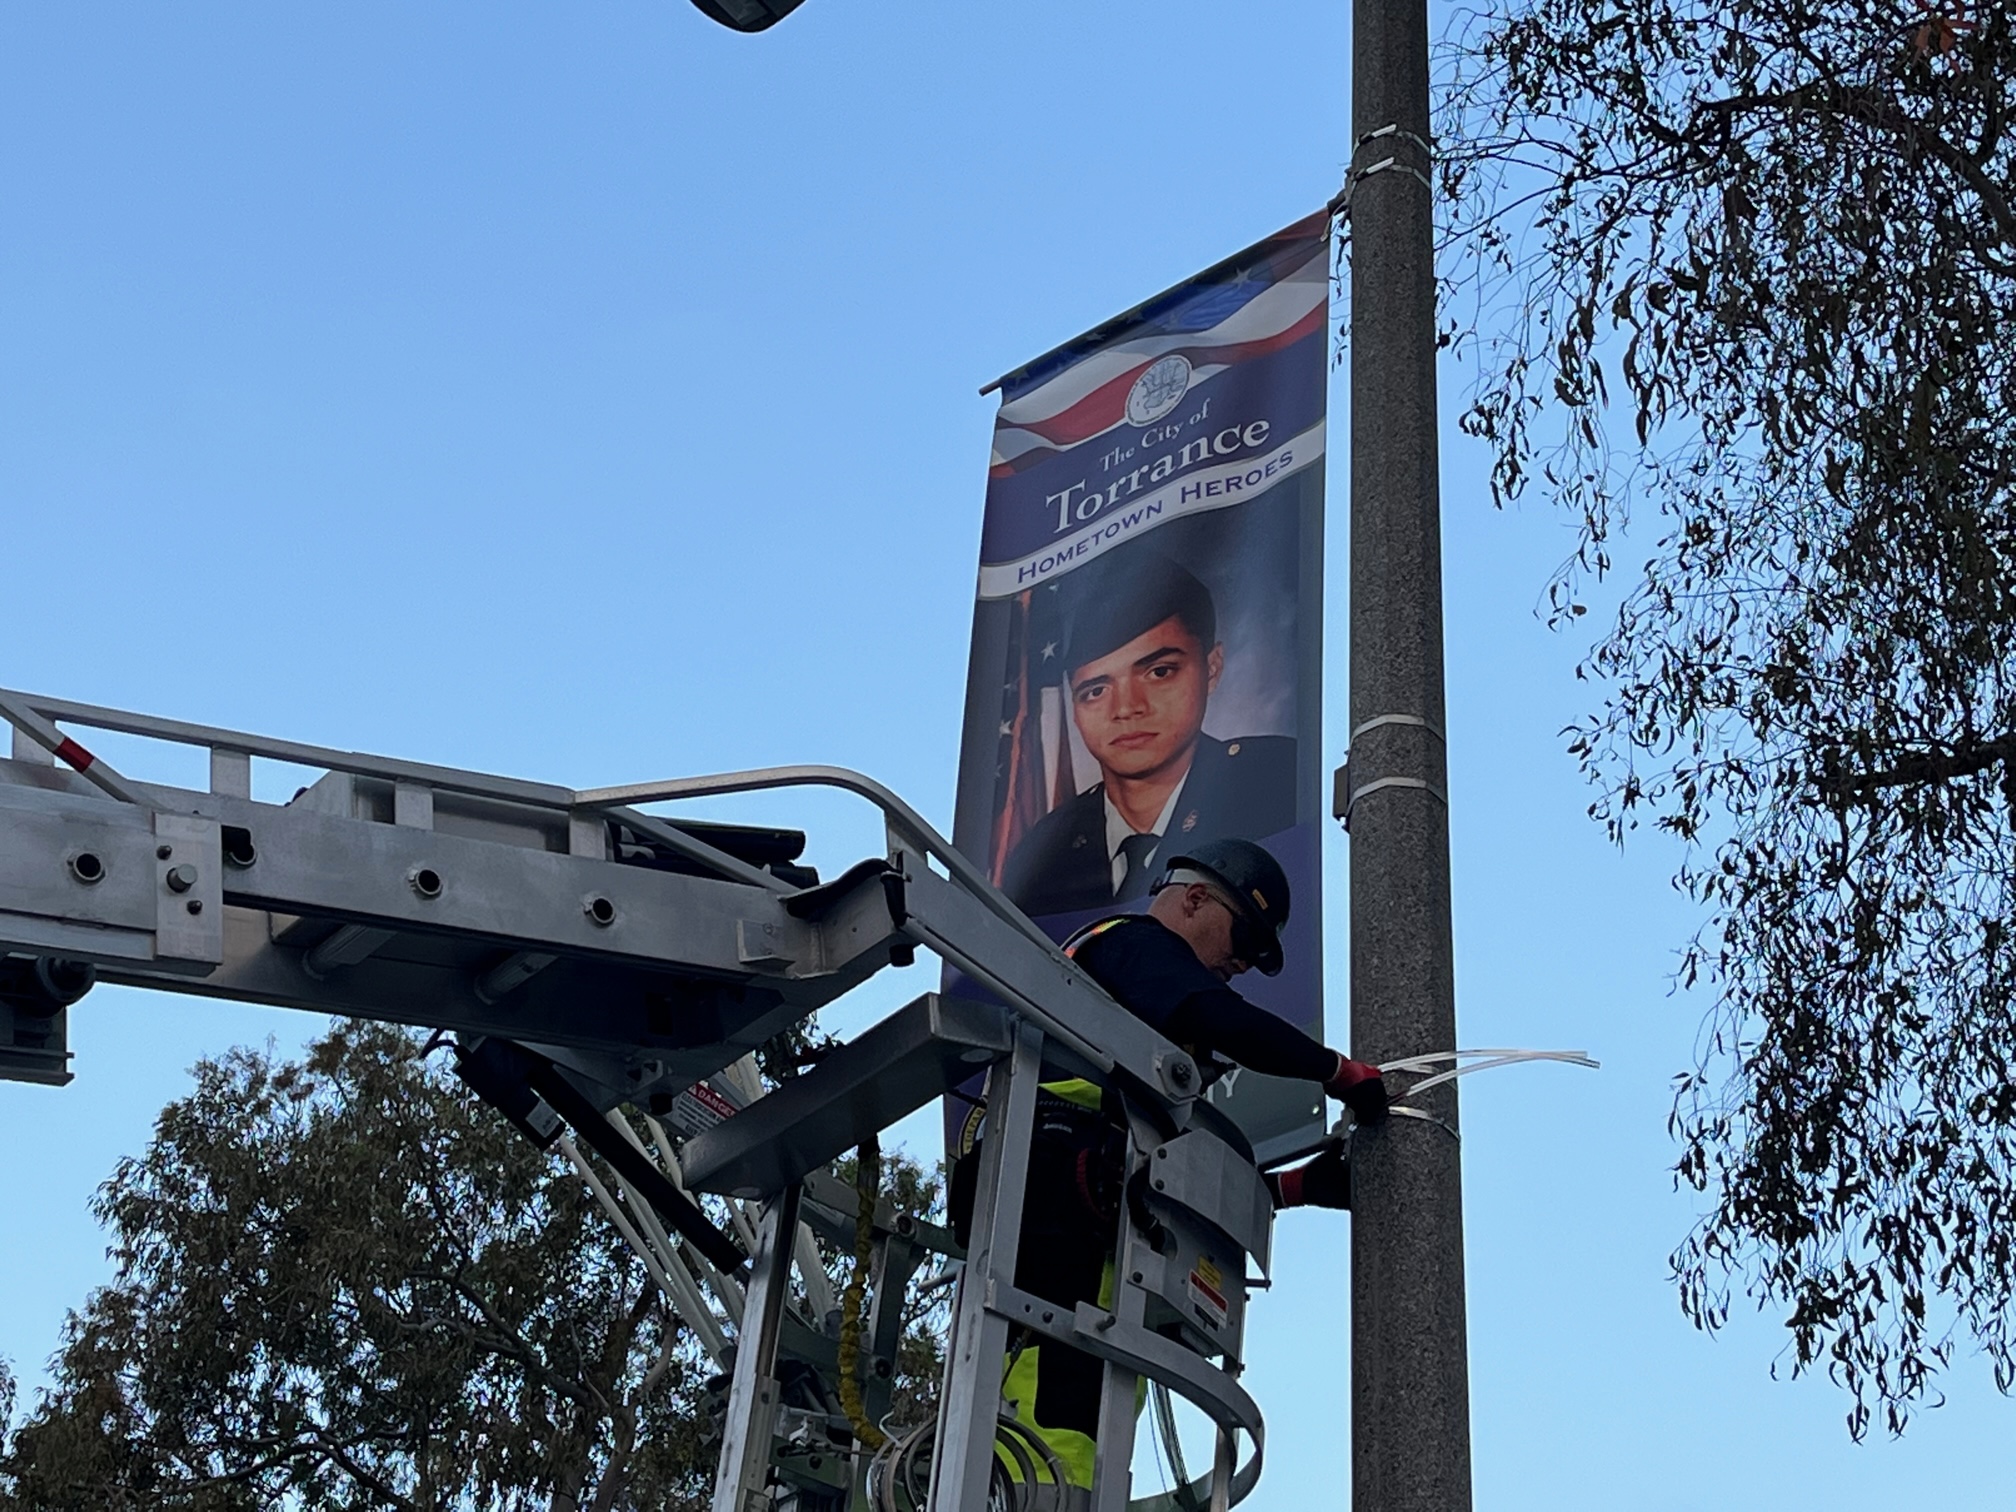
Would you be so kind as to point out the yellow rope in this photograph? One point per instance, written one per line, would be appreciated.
(853, 1304)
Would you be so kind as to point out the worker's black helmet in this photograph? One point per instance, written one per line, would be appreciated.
(1256, 886)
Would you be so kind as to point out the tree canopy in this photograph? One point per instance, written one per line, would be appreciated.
(343, 1284)
(1736, 282)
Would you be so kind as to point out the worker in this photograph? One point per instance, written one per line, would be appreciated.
(1216, 911)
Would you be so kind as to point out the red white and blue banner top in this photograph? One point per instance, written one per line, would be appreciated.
(1177, 407)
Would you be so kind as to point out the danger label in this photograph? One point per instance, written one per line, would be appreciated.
(698, 1108)
(1207, 1293)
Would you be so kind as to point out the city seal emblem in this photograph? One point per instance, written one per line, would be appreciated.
(1159, 389)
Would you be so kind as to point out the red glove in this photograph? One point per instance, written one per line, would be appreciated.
(1324, 1182)
(1360, 1088)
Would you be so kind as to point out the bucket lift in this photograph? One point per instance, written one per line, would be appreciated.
(589, 956)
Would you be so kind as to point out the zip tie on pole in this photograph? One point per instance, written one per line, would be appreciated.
(1341, 203)
(1381, 721)
(1392, 128)
(1481, 1060)
(1393, 165)
(1498, 1057)
(1426, 1117)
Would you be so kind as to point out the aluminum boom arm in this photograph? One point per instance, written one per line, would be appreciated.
(587, 955)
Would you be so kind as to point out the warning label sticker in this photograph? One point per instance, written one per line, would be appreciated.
(1207, 1293)
(698, 1108)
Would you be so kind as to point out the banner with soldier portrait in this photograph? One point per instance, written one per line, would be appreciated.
(1147, 644)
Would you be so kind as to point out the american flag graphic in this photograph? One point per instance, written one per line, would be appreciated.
(1033, 772)
(1273, 297)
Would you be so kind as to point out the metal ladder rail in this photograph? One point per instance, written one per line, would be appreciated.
(989, 1305)
(232, 751)
(239, 744)
(583, 834)
(229, 776)
(1191, 1178)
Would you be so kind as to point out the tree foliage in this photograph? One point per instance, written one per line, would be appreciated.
(1742, 274)
(342, 1284)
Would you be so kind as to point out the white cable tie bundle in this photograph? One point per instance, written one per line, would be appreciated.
(1480, 1060)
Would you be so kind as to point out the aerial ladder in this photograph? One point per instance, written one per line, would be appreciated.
(602, 969)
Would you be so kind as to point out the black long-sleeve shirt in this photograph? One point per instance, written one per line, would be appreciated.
(1151, 971)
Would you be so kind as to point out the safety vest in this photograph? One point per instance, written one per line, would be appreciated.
(1077, 1090)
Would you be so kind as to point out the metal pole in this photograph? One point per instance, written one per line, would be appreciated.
(1410, 1397)
(743, 1483)
(962, 1459)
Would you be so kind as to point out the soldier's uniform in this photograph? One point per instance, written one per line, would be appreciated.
(1243, 789)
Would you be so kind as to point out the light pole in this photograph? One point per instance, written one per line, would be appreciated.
(1410, 1394)
(1410, 1386)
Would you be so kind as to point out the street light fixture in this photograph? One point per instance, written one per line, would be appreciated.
(747, 15)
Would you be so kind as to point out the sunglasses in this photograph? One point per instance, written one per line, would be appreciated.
(1249, 942)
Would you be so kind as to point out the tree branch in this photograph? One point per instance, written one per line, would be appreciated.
(1873, 108)
(506, 1341)
(366, 1479)
(1918, 768)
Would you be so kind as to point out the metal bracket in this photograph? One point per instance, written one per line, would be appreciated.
(1341, 205)
(1344, 797)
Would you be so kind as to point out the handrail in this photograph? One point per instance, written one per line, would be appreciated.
(542, 794)
(357, 763)
(900, 814)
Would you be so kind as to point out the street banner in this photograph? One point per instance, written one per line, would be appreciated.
(1146, 668)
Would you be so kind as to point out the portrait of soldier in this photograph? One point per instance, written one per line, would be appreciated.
(1141, 658)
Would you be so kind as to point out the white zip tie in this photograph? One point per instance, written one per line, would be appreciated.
(1481, 1060)
(1426, 1117)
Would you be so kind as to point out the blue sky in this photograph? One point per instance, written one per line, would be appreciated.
(590, 395)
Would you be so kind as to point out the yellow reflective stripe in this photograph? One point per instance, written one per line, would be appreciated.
(1076, 1452)
(1078, 1091)
(1092, 932)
